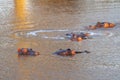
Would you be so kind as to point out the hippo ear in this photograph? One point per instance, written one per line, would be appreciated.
(19, 50)
(68, 49)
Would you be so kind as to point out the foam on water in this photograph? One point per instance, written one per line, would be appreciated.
(34, 33)
(58, 34)
(57, 37)
(101, 34)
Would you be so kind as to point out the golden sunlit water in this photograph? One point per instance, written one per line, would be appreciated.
(42, 25)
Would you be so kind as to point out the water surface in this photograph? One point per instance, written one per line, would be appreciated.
(42, 25)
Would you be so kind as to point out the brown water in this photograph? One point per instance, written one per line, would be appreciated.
(42, 25)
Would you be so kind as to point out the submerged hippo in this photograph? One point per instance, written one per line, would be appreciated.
(102, 25)
(77, 37)
(27, 51)
(69, 52)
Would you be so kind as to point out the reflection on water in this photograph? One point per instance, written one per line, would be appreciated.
(48, 14)
(40, 24)
(20, 7)
(26, 44)
(59, 6)
(22, 22)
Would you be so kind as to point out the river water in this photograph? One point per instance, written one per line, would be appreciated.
(42, 25)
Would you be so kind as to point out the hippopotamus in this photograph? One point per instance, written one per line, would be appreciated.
(27, 51)
(77, 37)
(69, 52)
(102, 25)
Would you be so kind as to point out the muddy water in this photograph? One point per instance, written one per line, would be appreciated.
(42, 25)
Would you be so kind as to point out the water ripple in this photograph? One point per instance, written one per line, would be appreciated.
(34, 33)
